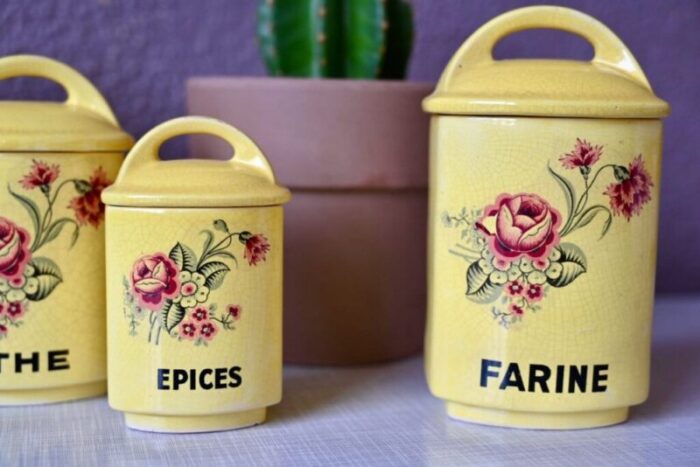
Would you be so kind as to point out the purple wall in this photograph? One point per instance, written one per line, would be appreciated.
(140, 52)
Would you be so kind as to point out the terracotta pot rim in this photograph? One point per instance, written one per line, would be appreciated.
(349, 85)
(325, 134)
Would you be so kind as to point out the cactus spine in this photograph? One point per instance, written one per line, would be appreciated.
(363, 39)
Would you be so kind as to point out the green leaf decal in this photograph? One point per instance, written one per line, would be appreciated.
(55, 230)
(569, 192)
(215, 272)
(479, 288)
(221, 226)
(184, 257)
(31, 208)
(208, 240)
(171, 315)
(49, 276)
(224, 254)
(573, 263)
(589, 214)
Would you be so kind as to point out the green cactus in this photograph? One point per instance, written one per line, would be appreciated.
(363, 39)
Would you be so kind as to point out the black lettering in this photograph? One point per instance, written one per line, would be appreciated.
(179, 377)
(193, 379)
(560, 379)
(202, 379)
(486, 373)
(541, 378)
(599, 378)
(3, 356)
(163, 377)
(577, 377)
(220, 378)
(33, 360)
(58, 360)
(235, 377)
(512, 378)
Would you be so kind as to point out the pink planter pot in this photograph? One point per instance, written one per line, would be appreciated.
(354, 154)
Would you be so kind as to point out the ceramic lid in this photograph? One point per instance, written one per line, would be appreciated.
(83, 123)
(147, 181)
(611, 85)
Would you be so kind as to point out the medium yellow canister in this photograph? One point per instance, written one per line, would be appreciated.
(194, 285)
(544, 198)
(55, 160)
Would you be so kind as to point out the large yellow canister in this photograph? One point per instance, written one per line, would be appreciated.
(55, 160)
(544, 198)
(194, 285)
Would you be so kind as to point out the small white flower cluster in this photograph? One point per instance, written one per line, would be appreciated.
(536, 272)
(192, 289)
(17, 289)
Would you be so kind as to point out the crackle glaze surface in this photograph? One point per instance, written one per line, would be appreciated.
(52, 273)
(194, 285)
(55, 160)
(601, 315)
(543, 230)
(235, 323)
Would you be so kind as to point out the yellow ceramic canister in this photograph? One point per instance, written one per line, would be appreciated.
(55, 160)
(194, 285)
(544, 198)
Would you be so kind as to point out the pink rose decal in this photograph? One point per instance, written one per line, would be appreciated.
(155, 278)
(88, 207)
(16, 310)
(520, 248)
(14, 249)
(234, 311)
(208, 331)
(188, 330)
(28, 271)
(584, 155)
(256, 247)
(522, 225)
(41, 175)
(178, 291)
(632, 190)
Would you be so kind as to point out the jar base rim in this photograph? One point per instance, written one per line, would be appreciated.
(536, 420)
(194, 423)
(52, 395)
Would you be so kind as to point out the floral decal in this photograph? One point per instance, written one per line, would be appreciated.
(26, 276)
(173, 290)
(514, 247)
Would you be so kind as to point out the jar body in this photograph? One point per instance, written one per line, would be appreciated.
(194, 316)
(542, 257)
(52, 325)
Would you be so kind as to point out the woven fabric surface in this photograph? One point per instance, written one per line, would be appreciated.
(382, 416)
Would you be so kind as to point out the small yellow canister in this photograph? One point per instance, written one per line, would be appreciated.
(544, 198)
(194, 285)
(55, 160)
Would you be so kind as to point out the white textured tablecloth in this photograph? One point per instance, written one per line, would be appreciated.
(383, 415)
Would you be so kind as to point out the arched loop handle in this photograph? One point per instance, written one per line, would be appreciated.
(246, 152)
(80, 91)
(609, 49)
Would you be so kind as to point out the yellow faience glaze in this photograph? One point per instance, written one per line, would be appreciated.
(55, 159)
(194, 285)
(543, 231)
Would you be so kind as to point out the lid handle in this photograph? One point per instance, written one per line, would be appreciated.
(246, 152)
(609, 49)
(81, 92)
